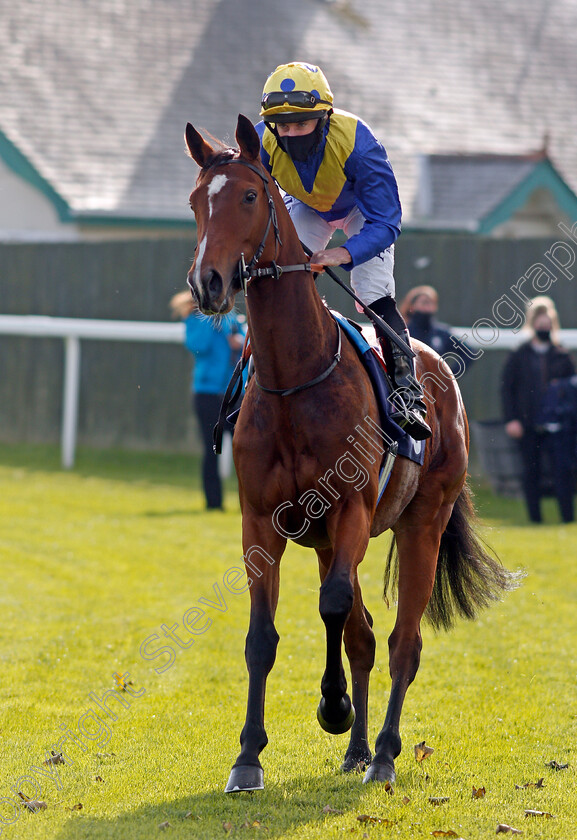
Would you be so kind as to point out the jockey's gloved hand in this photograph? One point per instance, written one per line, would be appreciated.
(331, 257)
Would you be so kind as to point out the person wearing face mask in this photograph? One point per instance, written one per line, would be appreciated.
(539, 408)
(419, 308)
(336, 175)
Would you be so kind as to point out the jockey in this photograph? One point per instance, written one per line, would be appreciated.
(336, 175)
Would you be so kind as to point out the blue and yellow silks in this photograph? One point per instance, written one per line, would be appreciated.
(349, 169)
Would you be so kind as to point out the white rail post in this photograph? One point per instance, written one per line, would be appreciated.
(70, 399)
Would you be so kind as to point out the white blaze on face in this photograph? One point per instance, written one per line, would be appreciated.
(197, 267)
(215, 187)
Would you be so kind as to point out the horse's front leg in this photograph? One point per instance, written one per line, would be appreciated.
(263, 548)
(360, 648)
(336, 713)
(418, 549)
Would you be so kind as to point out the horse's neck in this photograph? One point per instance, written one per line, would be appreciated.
(290, 328)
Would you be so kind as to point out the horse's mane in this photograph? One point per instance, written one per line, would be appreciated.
(222, 152)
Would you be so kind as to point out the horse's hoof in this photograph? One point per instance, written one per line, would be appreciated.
(380, 773)
(346, 716)
(245, 778)
(356, 762)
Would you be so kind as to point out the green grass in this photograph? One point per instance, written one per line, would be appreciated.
(94, 561)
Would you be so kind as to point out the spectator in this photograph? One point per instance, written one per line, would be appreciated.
(539, 408)
(216, 345)
(419, 308)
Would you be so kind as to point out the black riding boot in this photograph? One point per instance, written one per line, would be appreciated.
(409, 405)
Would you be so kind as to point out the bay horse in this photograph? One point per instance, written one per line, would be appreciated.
(309, 394)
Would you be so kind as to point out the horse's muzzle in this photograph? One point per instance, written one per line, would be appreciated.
(208, 291)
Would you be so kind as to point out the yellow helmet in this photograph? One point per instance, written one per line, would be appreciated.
(295, 92)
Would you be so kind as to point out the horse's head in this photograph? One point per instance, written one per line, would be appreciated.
(232, 213)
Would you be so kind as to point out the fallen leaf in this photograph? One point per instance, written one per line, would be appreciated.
(479, 793)
(438, 800)
(254, 824)
(98, 779)
(440, 833)
(389, 788)
(57, 758)
(366, 818)
(531, 813)
(35, 805)
(328, 810)
(537, 784)
(121, 683)
(32, 804)
(405, 800)
(502, 828)
(422, 751)
(556, 766)
(190, 816)
(228, 826)
(78, 807)
(164, 825)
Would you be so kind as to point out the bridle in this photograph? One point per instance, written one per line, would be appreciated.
(248, 272)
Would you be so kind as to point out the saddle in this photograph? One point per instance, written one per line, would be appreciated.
(365, 341)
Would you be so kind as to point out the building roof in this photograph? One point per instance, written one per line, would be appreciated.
(94, 94)
(477, 192)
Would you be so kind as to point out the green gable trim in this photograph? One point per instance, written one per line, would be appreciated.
(454, 228)
(110, 220)
(18, 163)
(543, 176)
(21, 166)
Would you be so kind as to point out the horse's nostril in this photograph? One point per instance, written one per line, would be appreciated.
(214, 283)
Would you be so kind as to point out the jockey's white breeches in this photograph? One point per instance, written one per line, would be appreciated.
(370, 280)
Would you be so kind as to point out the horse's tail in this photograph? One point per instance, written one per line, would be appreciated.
(468, 577)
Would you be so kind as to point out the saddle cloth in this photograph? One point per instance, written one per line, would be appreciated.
(371, 357)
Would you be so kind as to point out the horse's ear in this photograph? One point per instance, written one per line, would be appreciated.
(198, 148)
(247, 138)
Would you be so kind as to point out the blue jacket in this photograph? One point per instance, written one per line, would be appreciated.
(214, 359)
(357, 173)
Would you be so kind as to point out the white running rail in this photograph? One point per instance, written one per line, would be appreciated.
(73, 330)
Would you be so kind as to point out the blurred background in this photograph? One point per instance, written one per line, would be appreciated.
(474, 100)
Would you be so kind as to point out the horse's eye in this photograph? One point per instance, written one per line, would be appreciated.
(250, 197)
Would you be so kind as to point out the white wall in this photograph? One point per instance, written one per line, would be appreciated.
(539, 216)
(25, 212)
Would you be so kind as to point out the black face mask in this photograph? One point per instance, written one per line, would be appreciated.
(543, 335)
(300, 148)
(421, 320)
